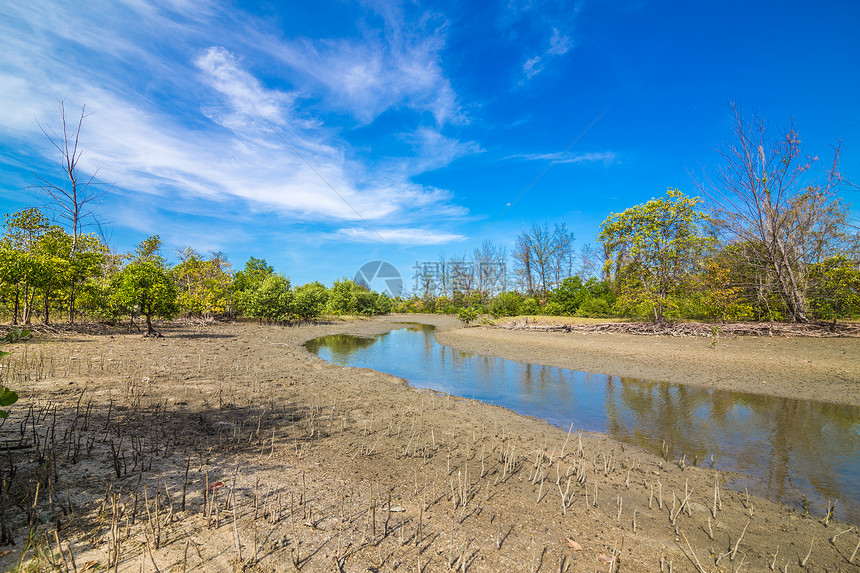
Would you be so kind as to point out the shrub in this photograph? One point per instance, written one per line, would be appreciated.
(594, 308)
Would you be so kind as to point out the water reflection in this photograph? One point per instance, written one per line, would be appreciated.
(790, 447)
(343, 348)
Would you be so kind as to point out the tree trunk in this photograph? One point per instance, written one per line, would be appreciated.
(72, 304)
(788, 285)
(47, 298)
(29, 297)
(17, 305)
(149, 330)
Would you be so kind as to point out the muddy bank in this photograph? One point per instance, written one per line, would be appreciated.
(267, 458)
(804, 368)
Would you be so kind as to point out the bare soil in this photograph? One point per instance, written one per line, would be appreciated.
(266, 458)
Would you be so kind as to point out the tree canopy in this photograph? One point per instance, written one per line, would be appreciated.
(654, 247)
(144, 286)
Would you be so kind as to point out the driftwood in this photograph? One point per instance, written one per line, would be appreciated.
(813, 330)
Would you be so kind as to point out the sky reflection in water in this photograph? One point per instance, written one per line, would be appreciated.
(789, 447)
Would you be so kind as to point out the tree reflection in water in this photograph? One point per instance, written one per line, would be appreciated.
(789, 447)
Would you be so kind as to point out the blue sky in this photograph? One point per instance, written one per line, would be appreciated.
(321, 135)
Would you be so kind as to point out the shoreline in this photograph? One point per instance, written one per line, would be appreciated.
(323, 464)
(818, 369)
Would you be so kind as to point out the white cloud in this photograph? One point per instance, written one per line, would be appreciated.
(559, 45)
(399, 236)
(180, 119)
(606, 157)
(401, 67)
(246, 97)
(435, 150)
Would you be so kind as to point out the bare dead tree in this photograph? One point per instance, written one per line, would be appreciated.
(541, 256)
(540, 239)
(461, 273)
(444, 280)
(523, 263)
(427, 278)
(490, 269)
(562, 253)
(74, 198)
(588, 262)
(767, 199)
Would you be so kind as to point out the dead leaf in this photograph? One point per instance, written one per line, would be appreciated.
(573, 544)
(604, 558)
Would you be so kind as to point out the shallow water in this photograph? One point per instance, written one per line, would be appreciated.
(789, 448)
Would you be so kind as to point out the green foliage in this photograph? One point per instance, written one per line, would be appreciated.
(594, 308)
(341, 301)
(413, 305)
(347, 297)
(272, 299)
(468, 314)
(652, 248)
(835, 291)
(145, 286)
(529, 307)
(384, 304)
(567, 298)
(204, 285)
(309, 301)
(252, 275)
(7, 395)
(42, 268)
(506, 304)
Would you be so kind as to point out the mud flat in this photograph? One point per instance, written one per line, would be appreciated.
(267, 458)
(824, 369)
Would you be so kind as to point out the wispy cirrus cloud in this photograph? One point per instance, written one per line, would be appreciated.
(434, 150)
(559, 44)
(605, 157)
(207, 132)
(399, 66)
(544, 29)
(244, 98)
(398, 236)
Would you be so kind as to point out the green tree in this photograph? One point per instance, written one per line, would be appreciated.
(204, 285)
(12, 272)
(309, 301)
(835, 292)
(341, 300)
(272, 299)
(252, 275)
(85, 264)
(506, 304)
(144, 286)
(347, 297)
(468, 314)
(23, 230)
(653, 247)
(248, 280)
(570, 294)
(7, 395)
(51, 267)
(59, 272)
